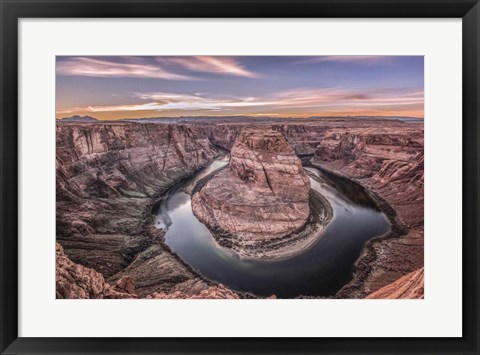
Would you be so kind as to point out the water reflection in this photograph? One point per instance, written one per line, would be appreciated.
(320, 270)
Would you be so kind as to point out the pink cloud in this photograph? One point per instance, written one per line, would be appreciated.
(299, 99)
(207, 64)
(355, 59)
(83, 66)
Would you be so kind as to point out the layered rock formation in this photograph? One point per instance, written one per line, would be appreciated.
(375, 152)
(262, 195)
(304, 138)
(126, 159)
(107, 177)
(76, 281)
(389, 160)
(409, 286)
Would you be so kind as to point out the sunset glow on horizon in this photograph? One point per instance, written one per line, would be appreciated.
(116, 87)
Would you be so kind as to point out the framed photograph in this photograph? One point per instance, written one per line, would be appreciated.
(239, 177)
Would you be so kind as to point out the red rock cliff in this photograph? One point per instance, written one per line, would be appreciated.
(389, 160)
(107, 174)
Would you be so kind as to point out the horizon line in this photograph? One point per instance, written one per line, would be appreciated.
(239, 116)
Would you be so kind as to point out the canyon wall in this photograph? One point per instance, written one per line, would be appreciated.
(304, 138)
(107, 177)
(389, 160)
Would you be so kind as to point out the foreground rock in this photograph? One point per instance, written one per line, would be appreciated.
(263, 194)
(156, 269)
(213, 292)
(76, 281)
(409, 286)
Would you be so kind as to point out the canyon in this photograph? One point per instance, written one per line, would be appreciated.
(111, 175)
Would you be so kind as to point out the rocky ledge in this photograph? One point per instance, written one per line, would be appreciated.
(74, 281)
(262, 195)
(409, 286)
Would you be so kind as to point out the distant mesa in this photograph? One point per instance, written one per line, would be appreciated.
(234, 119)
(77, 118)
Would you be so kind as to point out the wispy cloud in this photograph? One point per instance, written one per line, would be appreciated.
(162, 101)
(85, 66)
(299, 99)
(206, 64)
(352, 59)
(339, 96)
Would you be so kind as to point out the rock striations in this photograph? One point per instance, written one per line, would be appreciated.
(108, 176)
(74, 281)
(263, 194)
(389, 161)
(77, 281)
(409, 286)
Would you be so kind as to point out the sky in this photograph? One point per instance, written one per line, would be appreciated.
(117, 87)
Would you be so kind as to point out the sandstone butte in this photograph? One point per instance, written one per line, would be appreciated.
(263, 194)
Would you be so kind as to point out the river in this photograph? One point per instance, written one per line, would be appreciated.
(320, 270)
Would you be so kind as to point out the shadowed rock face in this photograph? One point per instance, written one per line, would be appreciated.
(263, 194)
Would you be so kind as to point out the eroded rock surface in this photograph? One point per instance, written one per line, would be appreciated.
(303, 137)
(74, 281)
(409, 286)
(77, 281)
(107, 177)
(263, 194)
(212, 292)
(389, 160)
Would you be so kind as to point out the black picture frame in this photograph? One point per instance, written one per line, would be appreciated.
(12, 11)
